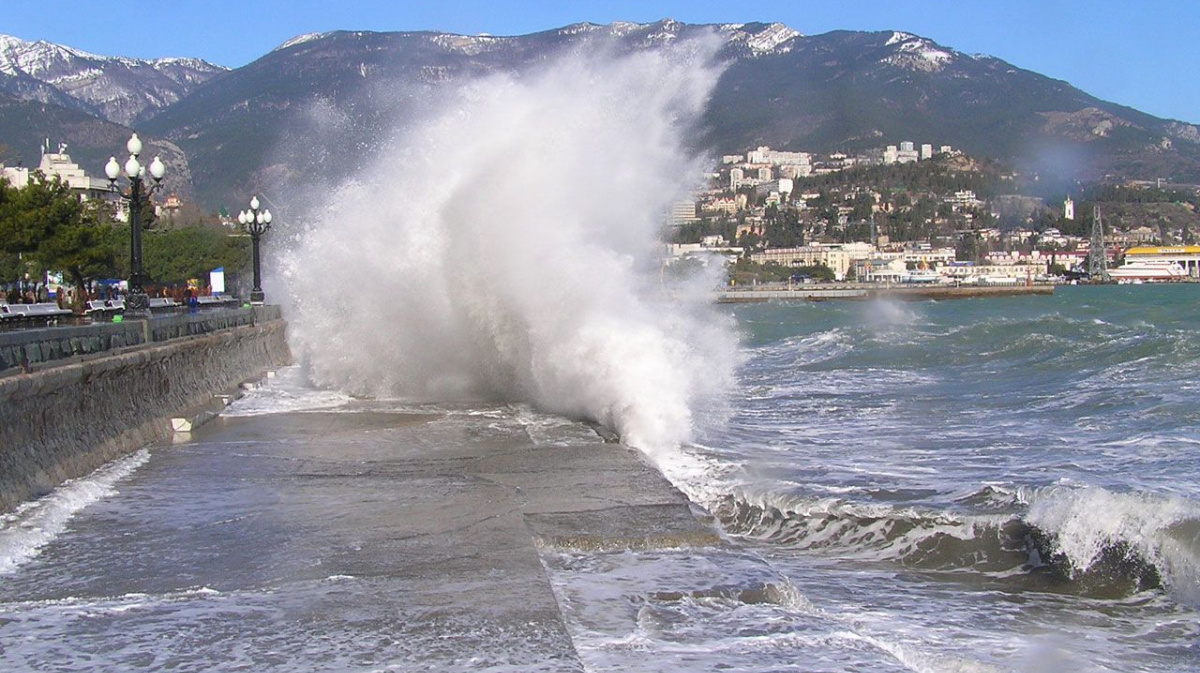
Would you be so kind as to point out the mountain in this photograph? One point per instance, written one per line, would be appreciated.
(25, 125)
(253, 127)
(121, 90)
(839, 91)
(853, 90)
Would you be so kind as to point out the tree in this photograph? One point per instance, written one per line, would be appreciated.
(78, 248)
(49, 229)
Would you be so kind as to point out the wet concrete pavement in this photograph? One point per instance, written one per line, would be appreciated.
(331, 541)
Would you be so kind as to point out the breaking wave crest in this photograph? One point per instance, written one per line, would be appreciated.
(505, 248)
(1088, 541)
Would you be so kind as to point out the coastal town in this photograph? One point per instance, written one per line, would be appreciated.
(899, 215)
(913, 214)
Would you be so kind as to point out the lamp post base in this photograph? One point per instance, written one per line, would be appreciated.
(137, 306)
(257, 297)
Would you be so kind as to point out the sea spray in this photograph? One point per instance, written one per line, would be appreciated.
(506, 247)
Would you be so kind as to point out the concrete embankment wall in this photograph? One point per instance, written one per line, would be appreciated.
(63, 419)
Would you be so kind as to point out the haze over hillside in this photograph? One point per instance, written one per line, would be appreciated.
(840, 91)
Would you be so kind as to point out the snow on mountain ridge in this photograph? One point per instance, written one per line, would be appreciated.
(916, 53)
(119, 88)
(300, 39)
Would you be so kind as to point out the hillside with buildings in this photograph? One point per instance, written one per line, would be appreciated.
(886, 213)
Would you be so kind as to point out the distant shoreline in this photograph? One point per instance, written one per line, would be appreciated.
(859, 292)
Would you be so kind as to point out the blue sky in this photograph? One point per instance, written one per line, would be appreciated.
(1142, 54)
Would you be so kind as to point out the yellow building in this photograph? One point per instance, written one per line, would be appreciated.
(1186, 256)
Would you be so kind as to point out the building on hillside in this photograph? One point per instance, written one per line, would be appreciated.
(963, 199)
(170, 207)
(926, 152)
(59, 165)
(682, 212)
(1068, 209)
(721, 204)
(766, 155)
(737, 178)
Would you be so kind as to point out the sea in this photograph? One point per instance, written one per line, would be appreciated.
(993, 484)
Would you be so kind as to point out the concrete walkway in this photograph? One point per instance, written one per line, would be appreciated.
(365, 539)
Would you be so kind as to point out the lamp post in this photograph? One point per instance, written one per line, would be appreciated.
(257, 223)
(137, 304)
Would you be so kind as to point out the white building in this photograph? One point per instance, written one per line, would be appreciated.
(723, 204)
(926, 151)
(880, 269)
(682, 212)
(737, 178)
(838, 257)
(963, 199)
(59, 165)
(1068, 209)
(766, 155)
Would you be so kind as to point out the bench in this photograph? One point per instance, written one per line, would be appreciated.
(210, 301)
(32, 312)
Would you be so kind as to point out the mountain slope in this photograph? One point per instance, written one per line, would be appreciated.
(837, 91)
(853, 90)
(121, 90)
(25, 125)
(269, 122)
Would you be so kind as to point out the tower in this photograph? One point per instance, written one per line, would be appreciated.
(1069, 209)
(1097, 259)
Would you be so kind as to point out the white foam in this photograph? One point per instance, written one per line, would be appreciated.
(1086, 521)
(509, 250)
(287, 392)
(35, 524)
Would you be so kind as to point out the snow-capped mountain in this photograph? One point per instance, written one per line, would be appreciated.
(837, 91)
(121, 90)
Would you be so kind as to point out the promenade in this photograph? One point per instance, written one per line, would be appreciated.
(349, 540)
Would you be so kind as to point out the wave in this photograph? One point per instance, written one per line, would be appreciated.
(1091, 531)
(1086, 541)
(504, 248)
(37, 523)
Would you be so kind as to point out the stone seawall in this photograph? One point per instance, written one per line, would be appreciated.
(61, 422)
(28, 349)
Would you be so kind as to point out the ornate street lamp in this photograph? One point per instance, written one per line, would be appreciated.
(137, 304)
(257, 223)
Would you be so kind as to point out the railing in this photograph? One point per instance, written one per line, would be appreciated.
(25, 349)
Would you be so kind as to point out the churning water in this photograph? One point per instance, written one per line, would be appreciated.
(975, 485)
(1009, 481)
